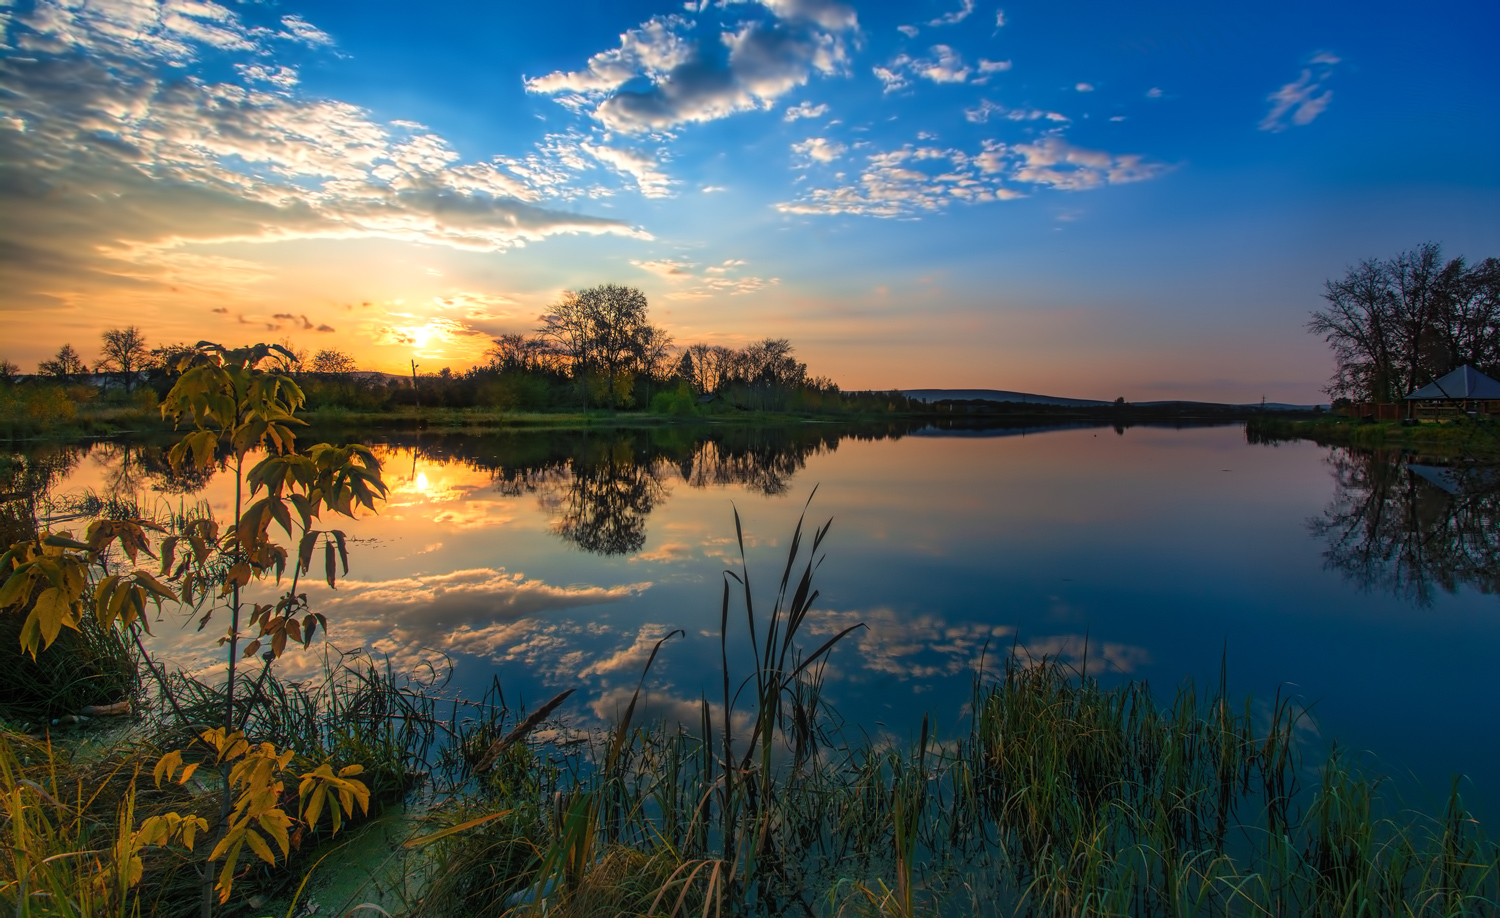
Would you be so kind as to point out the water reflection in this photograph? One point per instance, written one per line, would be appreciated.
(1411, 529)
(600, 487)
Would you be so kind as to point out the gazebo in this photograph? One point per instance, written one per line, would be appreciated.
(1464, 389)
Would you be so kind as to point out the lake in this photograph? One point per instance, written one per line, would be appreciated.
(1357, 583)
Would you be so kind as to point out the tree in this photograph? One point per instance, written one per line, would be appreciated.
(333, 361)
(603, 330)
(618, 318)
(8, 370)
(64, 366)
(167, 356)
(1397, 324)
(123, 350)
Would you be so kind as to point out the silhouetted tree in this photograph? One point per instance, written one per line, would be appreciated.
(8, 370)
(334, 362)
(1395, 325)
(123, 351)
(64, 366)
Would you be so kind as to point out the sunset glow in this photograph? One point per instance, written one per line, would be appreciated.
(1087, 202)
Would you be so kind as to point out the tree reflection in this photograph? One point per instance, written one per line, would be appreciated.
(603, 505)
(1411, 529)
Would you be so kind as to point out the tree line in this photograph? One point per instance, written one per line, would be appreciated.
(595, 347)
(1396, 324)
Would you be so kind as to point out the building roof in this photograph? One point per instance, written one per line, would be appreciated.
(1464, 382)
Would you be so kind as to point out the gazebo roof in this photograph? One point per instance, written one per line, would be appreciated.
(1463, 383)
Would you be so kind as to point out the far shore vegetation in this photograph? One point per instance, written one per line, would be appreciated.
(595, 360)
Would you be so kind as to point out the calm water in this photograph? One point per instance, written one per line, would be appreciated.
(554, 561)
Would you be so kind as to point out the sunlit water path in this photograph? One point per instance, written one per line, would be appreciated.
(557, 560)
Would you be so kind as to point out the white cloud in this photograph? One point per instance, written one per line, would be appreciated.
(910, 31)
(820, 149)
(1084, 87)
(942, 65)
(959, 15)
(666, 268)
(1300, 102)
(110, 114)
(280, 77)
(301, 30)
(999, 19)
(982, 112)
(685, 83)
(914, 179)
(805, 110)
(651, 181)
(1154, 92)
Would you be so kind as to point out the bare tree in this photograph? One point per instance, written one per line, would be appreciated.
(334, 362)
(8, 371)
(123, 351)
(567, 332)
(64, 366)
(1394, 325)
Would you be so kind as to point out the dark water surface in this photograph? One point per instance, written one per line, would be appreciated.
(1356, 583)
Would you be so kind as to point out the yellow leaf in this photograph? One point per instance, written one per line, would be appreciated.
(259, 846)
(167, 766)
(51, 612)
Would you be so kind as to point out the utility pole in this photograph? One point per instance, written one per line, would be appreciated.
(415, 395)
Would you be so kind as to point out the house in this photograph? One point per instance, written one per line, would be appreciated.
(1465, 389)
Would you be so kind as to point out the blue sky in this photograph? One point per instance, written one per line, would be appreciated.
(1082, 199)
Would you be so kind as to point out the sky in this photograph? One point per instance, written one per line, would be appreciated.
(1082, 199)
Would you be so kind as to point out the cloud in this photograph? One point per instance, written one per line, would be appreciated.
(928, 646)
(819, 149)
(688, 81)
(805, 110)
(910, 31)
(1084, 87)
(478, 307)
(914, 180)
(1154, 92)
(999, 19)
(666, 268)
(955, 17)
(101, 110)
(982, 112)
(422, 609)
(643, 169)
(1300, 102)
(942, 65)
(1054, 163)
(722, 279)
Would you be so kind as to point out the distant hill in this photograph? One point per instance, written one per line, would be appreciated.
(999, 395)
(1031, 398)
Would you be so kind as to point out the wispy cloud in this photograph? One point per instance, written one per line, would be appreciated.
(953, 18)
(805, 110)
(942, 64)
(751, 66)
(986, 110)
(693, 281)
(1300, 102)
(923, 179)
(819, 149)
(641, 167)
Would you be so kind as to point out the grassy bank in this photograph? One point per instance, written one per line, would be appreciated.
(1473, 439)
(1058, 796)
